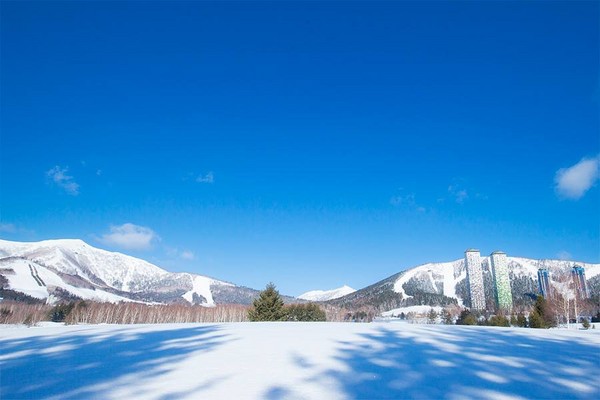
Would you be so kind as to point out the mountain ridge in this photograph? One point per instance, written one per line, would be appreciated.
(324, 295)
(65, 268)
(88, 272)
(444, 283)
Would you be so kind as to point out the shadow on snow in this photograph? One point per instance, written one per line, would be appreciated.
(89, 364)
(460, 363)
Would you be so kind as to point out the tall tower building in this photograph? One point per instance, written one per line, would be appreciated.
(475, 279)
(501, 281)
(544, 282)
(578, 275)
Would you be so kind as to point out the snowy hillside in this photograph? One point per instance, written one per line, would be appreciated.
(324, 295)
(73, 268)
(442, 278)
(298, 361)
(439, 284)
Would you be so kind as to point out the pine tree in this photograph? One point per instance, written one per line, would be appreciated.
(268, 306)
(541, 316)
(585, 323)
(432, 316)
(536, 320)
(499, 320)
(466, 318)
(304, 312)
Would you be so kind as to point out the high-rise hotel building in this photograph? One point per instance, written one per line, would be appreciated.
(544, 282)
(475, 279)
(502, 290)
(578, 275)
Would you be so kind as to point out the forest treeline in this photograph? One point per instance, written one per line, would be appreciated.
(87, 312)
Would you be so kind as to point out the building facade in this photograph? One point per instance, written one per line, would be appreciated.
(578, 275)
(475, 279)
(544, 282)
(502, 289)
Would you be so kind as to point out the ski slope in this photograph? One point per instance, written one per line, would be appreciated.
(297, 361)
(35, 280)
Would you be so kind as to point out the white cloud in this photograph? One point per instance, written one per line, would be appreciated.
(61, 179)
(187, 255)
(8, 228)
(131, 237)
(407, 201)
(208, 178)
(458, 194)
(403, 200)
(573, 182)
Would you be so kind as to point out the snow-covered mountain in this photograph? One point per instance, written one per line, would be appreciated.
(324, 295)
(71, 267)
(438, 284)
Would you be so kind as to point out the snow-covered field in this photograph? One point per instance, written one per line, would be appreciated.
(297, 361)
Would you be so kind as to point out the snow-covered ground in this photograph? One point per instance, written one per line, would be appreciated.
(411, 309)
(297, 361)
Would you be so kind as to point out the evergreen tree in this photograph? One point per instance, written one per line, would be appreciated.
(536, 320)
(268, 306)
(541, 316)
(466, 317)
(499, 320)
(432, 316)
(585, 323)
(304, 312)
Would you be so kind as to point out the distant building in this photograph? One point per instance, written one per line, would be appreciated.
(475, 279)
(544, 282)
(578, 275)
(502, 288)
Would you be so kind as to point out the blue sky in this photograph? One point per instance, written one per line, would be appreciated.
(312, 144)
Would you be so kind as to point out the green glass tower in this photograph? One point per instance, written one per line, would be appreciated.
(501, 281)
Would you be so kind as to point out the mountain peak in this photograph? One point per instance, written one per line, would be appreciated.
(71, 267)
(324, 295)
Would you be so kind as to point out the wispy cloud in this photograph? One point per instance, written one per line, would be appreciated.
(131, 237)
(208, 178)
(8, 228)
(59, 177)
(174, 252)
(406, 201)
(573, 182)
(187, 255)
(458, 193)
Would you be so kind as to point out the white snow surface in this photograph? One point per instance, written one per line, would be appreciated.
(410, 309)
(324, 295)
(297, 361)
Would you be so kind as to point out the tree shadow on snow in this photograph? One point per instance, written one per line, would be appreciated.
(81, 364)
(466, 363)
